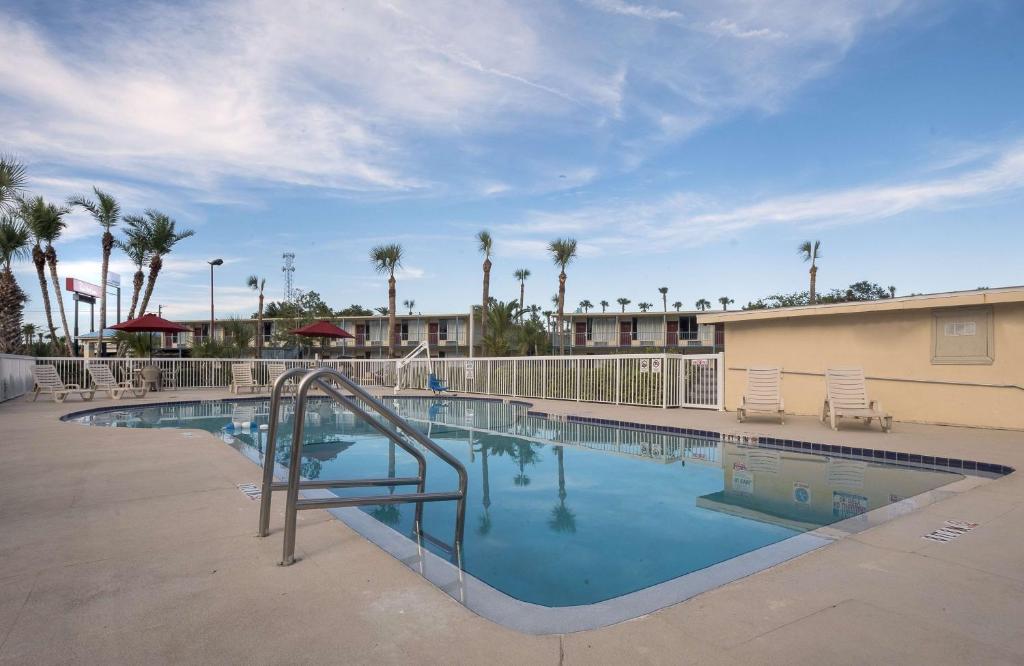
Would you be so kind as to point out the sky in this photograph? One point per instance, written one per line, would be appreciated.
(684, 144)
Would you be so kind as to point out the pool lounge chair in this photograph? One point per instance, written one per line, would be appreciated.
(241, 377)
(763, 394)
(846, 396)
(435, 385)
(47, 380)
(103, 380)
(275, 370)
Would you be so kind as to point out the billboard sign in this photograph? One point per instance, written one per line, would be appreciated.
(113, 279)
(82, 287)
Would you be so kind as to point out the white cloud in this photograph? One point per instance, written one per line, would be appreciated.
(685, 219)
(629, 9)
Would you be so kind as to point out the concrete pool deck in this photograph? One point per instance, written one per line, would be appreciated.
(118, 547)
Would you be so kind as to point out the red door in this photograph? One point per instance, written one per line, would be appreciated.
(360, 335)
(432, 334)
(720, 335)
(672, 332)
(625, 333)
(581, 334)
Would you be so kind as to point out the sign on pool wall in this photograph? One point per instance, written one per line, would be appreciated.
(848, 505)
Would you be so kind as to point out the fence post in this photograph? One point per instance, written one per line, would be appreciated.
(488, 371)
(577, 379)
(544, 378)
(515, 378)
(720, 379)
(664, 381)
(618, 380)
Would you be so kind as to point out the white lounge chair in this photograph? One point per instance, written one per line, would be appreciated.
(763, 394)
(241, 377)
(275, 370)
(103, 380)
(846, 396)
(47, 380)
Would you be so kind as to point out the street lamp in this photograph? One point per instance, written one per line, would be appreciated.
(215, 262)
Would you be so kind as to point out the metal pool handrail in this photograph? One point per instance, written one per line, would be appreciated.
(293, 504)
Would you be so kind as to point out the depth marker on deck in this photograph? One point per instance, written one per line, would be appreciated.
(953, 530)
(251, 490)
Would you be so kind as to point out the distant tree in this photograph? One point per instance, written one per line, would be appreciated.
(810, 252)
(485, 244)
(678, 305)
(585, 305)
(892, 291)
(521, 275)
(106, 212)
(163, 235)
(354, 311)
(386, 259)
(562, 251)
(604, 306)
(623, 302)
(410, 304)
(382, 310)
(858, 291)
(644, 306)
(664, 298)
(257, 284)
(703, 304)
(725, 301)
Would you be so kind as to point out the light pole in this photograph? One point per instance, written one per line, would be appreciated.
(215, 262)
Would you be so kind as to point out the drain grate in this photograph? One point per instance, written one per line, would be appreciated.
(954, 529)
(251, 490)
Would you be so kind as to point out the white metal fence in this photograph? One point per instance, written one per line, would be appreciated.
(658, 380)
(15, 375)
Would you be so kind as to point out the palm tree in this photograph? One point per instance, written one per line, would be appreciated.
(563, 251)
(644, 306)
(257, 284)
(12, 182)
(892, 291)
(586, 305)
(409, 304)
(46, 223)
(623, 302)
(162, 236)
(28, 330)
(678, 305)
(604, 306)
(562, 517)
(238, 335)
(485, 243)
(106, 211)
(382, 310)
(521, 274)
(135, 244)
(725, 301)
(664, 297)
(386, 259)
(703, 304)
(14, 242)
(810, 252)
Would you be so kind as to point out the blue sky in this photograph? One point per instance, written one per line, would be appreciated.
(684, 144)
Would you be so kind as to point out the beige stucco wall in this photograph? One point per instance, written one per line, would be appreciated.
(890, 344)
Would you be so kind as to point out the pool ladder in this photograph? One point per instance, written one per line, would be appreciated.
(365, 406)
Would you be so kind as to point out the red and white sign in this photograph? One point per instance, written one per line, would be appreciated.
(82, 287)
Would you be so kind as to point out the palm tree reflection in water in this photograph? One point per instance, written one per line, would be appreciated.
(562, 520)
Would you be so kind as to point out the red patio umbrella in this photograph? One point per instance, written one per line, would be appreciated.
(150, 323)
(321, 329)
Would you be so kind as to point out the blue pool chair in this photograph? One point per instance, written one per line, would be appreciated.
(435, 385)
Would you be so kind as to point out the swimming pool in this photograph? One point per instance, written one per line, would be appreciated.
(566, 513)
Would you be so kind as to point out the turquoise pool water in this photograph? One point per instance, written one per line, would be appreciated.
(564, 514)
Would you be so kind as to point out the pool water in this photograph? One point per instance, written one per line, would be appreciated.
(566, 513)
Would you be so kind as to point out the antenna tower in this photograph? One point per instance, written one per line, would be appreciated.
(289, 271)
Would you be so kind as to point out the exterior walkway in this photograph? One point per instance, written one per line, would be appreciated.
(136, 546)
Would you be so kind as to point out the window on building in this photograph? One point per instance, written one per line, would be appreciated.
(442, 330)
(962, 336)
(688, 328)
(405, 331)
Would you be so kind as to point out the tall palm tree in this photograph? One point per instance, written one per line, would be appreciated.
(13, 179)
(46, 222)
(135, 244)
(604, 306)
(892, 291)
(521, 274)
(810, 252)
(409, 304)
(725, 301)
(162, 235)
(14, 242)
(106, 211)
(664, 297)
(586, 305)
(703, 304)
(28, 331)
(257, 284)
(623, 302)
(644, 306)
(563, 251)
(386, 259)
(485, 243)
(678, 305)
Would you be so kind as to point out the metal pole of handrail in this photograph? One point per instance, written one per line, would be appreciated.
(301, 398)
(268, 455)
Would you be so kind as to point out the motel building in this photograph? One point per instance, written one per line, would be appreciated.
(449, 335)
